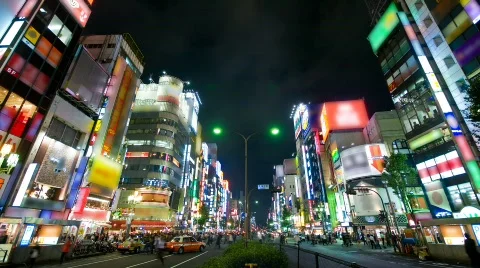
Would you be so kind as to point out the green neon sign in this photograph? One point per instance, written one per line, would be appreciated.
(472, 166)
(384, 27)
(425, 139)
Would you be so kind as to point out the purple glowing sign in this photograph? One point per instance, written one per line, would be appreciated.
(468, 51)
(473, 10)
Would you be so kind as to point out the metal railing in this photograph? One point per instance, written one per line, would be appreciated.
(308, 258)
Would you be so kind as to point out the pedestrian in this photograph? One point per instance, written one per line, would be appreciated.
(382, 237)
(65, 249)
(395, 243)
(297, 239)
(219, 240)
(160, 247)
(230, 239)
(34, 253)
(471, 250)
(372, 241)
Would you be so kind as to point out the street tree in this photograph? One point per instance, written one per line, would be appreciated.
(286, 218)
(472, 97)
(203, 216)
(401, 177)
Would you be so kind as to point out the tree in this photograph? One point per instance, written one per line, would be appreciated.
(472, 97)
(203, 216)
(286, 218)
(401, 177)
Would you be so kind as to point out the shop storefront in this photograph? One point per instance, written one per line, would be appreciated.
(445, 238)
(50, 235)
(9, 230)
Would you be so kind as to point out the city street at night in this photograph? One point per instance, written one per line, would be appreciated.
(240, 133)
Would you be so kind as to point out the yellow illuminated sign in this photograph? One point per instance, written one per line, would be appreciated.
(105, 172)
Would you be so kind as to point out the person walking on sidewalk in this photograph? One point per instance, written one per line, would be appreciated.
(219, 240)
(372, 241)
(34, 253)
(65, 249)
(160, 247)
(471, 250)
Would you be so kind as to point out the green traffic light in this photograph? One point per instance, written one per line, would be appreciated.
(217, 131)
(275, 131)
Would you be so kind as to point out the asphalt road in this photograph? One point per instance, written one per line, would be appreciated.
(142, 260)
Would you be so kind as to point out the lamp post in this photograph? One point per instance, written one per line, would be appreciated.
(381, 200)
(246, 138)
(132, 200)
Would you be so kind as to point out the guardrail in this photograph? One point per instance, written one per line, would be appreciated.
(321, 260)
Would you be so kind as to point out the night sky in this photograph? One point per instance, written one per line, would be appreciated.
(251, 61)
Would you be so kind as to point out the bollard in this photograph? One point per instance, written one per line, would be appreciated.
(251, 265)
(317, 265)
(298, 255)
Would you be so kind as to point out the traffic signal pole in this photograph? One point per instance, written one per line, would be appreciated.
(389, 231)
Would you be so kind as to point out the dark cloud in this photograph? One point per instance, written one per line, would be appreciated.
(251, 61)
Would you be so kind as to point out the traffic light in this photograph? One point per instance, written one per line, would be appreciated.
(382, 216)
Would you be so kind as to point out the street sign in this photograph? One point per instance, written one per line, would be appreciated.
(263, 186)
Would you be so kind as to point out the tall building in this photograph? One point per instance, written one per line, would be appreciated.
(44, 125)
(427, 52)
(158, 145)
(101, 167)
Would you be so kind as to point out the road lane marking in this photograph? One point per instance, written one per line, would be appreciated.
(188, 260)
(99, 261)
(138, 264)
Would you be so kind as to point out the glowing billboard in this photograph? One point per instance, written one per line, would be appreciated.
(363, 161)
(78, 9)
(105, 172)
(384, 27)
(298, 119)
(343, 115)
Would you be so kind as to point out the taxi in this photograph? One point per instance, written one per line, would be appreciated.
(131, 246)
(181, 244)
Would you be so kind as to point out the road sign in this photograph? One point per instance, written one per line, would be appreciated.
(263, 186)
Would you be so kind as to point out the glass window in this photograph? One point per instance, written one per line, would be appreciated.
(55, 25)
(10, 110)
(467, 194)
(65, 35)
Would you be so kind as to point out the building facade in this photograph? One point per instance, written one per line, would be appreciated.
(427, 54)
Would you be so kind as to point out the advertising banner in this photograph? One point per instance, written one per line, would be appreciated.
(105, 172)
(78, 9)
(343, 115)
(468, 51)
(81, 200)
(363, 161)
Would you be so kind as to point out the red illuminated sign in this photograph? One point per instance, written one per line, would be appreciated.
(78, 9)
(94, 138)
(343, 115)
(81, 200)
(137, 154)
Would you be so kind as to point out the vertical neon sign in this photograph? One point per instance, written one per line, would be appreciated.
(459, 137)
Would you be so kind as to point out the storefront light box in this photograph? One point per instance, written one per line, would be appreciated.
(384, 27)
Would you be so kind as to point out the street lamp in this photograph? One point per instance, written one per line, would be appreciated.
(274, 131)
(132, 200)
(256, 201)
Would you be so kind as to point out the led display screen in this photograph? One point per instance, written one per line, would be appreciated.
(441, 167)
(363, 161)
(87, 80)
(468, 51)
(343, 115)
(384, 27)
